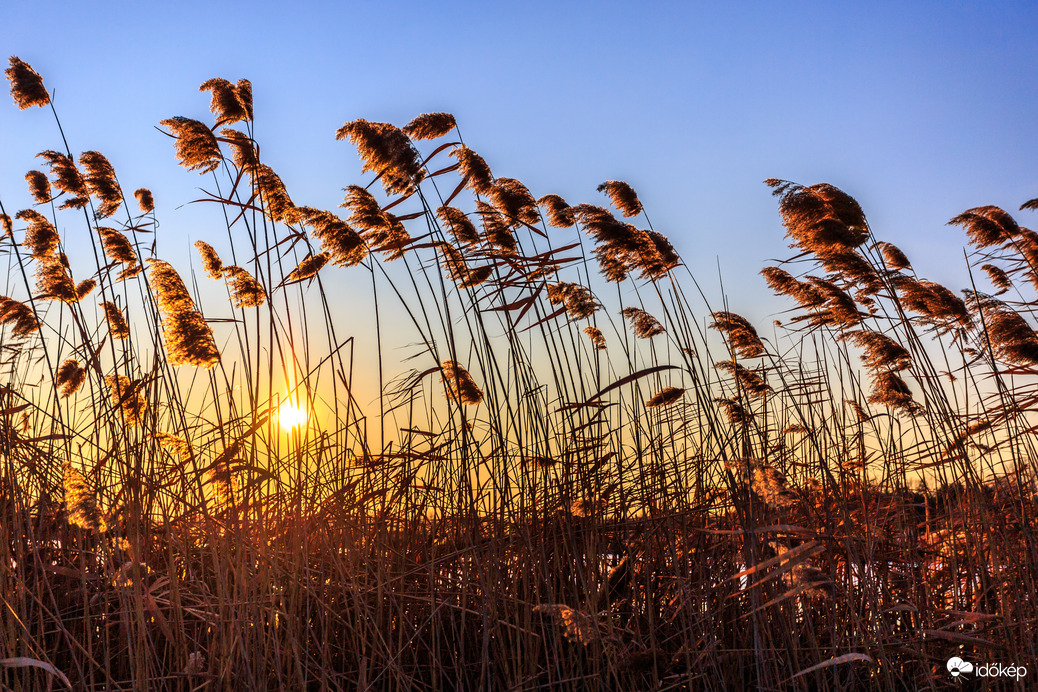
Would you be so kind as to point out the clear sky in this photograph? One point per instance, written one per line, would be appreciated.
(920, 110)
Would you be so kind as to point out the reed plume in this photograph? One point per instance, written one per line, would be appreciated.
(998, 278)
(880, 351)
(770, 484)
(18, 316)
(820, 218)
(211, 262)
(307, 268)
(597, 337)
(893, 258)
(7, 225)
(101, 182)
(39, 186)
(622, 196)
(750, 381)
(475, 172)
(67, 178)
(145, 200)
(26, 85)
(1012, 340)
(577, 627)
(459, 225)
(559, 213)
(69, 378)
(459, 383)
(742, 337)
(227, 103)
(127, 397)
(578, 300)
(497, 231)
(890, 390)
(386, 151)
(41, 238)
(243, 149)
(196, 146)
(53, 280)
(276, 203)
(189, 340)
(382, 231)
(933, 301)
(645, 326)
(514, 200)
(117, 248)
(987, 226)
(430, 126)
(344, 245)
(81, 503)
(665, 397)
(736, 412)
(117, 325)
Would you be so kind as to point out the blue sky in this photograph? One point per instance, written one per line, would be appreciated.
(920, 110)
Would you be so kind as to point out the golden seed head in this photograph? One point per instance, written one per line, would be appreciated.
(459, 383)
(189, 340)
(227, 104)
(474, 170)
(645, 325)
(69, 378)
(597, 337)
(578, 300)
(39, 186)
(665, 397)
(117, 325)
(623, 197)
(196, 146)
(40, 235)
(18, 316)
(211, 262)
(387, 152)
(459, 224)
(101, 182)
(26, 85)
(246, 291)
(430, 126)
(144, 200)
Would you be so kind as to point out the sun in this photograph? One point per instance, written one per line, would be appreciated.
(292, 415)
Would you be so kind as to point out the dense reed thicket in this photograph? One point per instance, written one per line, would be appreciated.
(576, 474)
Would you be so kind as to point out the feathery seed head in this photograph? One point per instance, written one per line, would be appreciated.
(26, 85)
(430, 126)
(144, 200)
(623, 197)
(196, 146)
(189, 340)
(459, 383)
(387, 152)
(69, 378)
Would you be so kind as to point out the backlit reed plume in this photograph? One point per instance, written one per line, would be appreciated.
(621, 248)
(578, 300)
(26, 85)
(880, 351)
(459, 383)
(577, 627)
(386, 151)
(243, 149)
(859, 411)
(622, 196)
(796, 429)
(246, 291)
(780, 281)
(460, 226)
(175, 445)
(41, 238)
(987, 226)
(750, 381)
(189, 340)
(597, 337)
(770, 484)
(220, 482)
(211, 262)
(18, 316)
(308, 268)
(127, 397)
(117, 325)
(7, 225)
(381, 230)
(1012, 339)
(474, 170)
(514, 200)
(851, 267)
(803, 576)
(101, 182)
(344, 245)
(144, 200)
(54, 282)
(227, 104)
(67, 178)
(958, 443)
(117, 248)
(497, 230)
(39, 186)
(837, 309)
(998, 278)
(933, 301)
(196, 146)
(890, 390)
(81, 503)
(276, 202)
(559, 214)
(742, 337)
(736, 412)
(69, 378)
(892, 256)
(645, 326)
(430, 126)
(457, 269)
(820, 218)
(665, 397)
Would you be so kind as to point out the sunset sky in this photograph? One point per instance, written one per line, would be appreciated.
(920, 110)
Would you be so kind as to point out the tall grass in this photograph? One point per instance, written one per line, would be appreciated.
(548, 463)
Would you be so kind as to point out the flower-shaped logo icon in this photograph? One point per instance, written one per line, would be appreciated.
(956, 666)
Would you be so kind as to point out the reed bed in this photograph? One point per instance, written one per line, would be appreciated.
(548, 461)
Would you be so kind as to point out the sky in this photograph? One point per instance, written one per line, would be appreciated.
(919, 110)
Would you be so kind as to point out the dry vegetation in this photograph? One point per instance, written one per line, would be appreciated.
(576, 479)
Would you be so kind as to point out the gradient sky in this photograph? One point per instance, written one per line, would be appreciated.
(919, 110)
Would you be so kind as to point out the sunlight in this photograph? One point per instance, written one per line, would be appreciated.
(292, 415)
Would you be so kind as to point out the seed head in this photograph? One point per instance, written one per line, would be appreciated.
(101, 182)
(665, 397)
(430, 126)
(459, 383)
(18, 316)
(117, 325)
(622, 196)
(196, 146)
(189, 340)
(645, 325)
(144, 200)
(69, 378)
(81, 503)
(211, 262)
(227, 104)
(387, 152)
(474, 170)
(26, 85)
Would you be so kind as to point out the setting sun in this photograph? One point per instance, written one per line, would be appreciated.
(292, 415)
